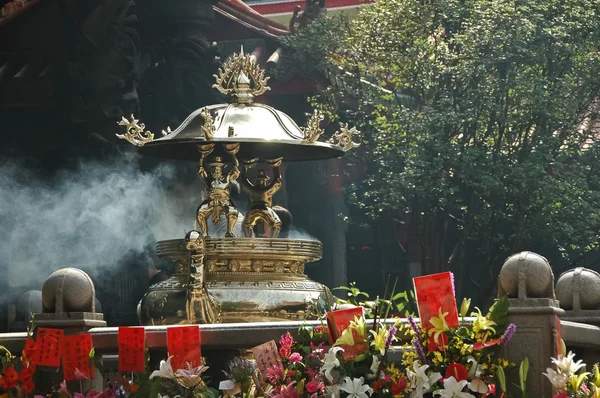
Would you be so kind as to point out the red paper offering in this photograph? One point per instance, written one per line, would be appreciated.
(47, 344)
(131, 349)
(75, 351)
(183, 343)
(338, 321)
(266, 356)
(434, 292)
(558, 327)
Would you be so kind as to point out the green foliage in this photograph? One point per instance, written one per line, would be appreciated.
(501, 376)
(475, 117)
(523, 370)
(499, 312)
(403, 303)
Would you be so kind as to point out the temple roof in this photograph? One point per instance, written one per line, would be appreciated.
(236, 10)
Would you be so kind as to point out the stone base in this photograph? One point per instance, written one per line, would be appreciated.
(534, 305)
(70, 320)
(535, 339)
(590, 317)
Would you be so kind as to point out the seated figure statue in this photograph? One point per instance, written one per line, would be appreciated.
(218, 187)
(261, 200)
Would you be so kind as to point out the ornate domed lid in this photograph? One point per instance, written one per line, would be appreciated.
(263, 131)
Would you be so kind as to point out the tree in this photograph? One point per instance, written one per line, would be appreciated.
(479, 124)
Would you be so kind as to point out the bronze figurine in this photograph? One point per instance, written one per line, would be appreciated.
(217, 185)
(201, 307)
(261, 199)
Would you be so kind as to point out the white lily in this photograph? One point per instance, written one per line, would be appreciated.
(375, 366)
(331, 362)
(453, 389)
(165, 370)
(479, 386)
(566, 364)
(423, 379)
(558, 380)
(190, 377)
(475, 369)
(420, 381)
(356, 388)
(333, 391)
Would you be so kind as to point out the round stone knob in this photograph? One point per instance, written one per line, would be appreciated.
(579, 289)
(537, 273)
(76, 288)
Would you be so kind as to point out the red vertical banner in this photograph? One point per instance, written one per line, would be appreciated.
(47, 344)
(435, 292)
(559, 342)
(75, 352)
(131, 349)
(183, 343)
(338, 321)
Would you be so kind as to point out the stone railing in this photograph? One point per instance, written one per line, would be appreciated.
(542, 314)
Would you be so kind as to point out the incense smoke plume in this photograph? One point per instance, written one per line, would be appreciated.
(91, 217)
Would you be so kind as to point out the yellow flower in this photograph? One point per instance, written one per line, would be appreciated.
(379, 339)
(409, 357)
(346, 338)
(437, 358)
(359, 325)
(464, 307)
(482, 323)
(393, 372)
(439, 325)
(466, 349)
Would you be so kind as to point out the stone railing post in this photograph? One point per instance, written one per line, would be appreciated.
(528, 281)
(69, 303)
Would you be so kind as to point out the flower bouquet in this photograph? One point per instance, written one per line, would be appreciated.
(187, 382)
(571, 380)
(364, 360)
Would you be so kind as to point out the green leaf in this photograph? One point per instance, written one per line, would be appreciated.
(500, 375)
(156, 387)
(92, 353)
(99, 364)
(300, 387)
(210, 393)
(523, 370)
(499, 312)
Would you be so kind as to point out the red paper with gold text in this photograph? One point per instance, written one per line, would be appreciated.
(47, 345)
(75, 352)
(131, 349)
(338, 321)
(183, 343)
(434, 292)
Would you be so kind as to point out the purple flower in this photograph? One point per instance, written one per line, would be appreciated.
(508, 334)
(418, 346)
(413, 325)
(390, 337)
(452, 279)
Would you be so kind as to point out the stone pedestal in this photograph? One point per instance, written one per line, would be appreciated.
(69, 303)
(528, 281)
(536, 339)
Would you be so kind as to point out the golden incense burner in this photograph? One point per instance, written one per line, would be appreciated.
(258, 276)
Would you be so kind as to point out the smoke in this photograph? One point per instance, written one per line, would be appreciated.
(91, 217)
(96, 215)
